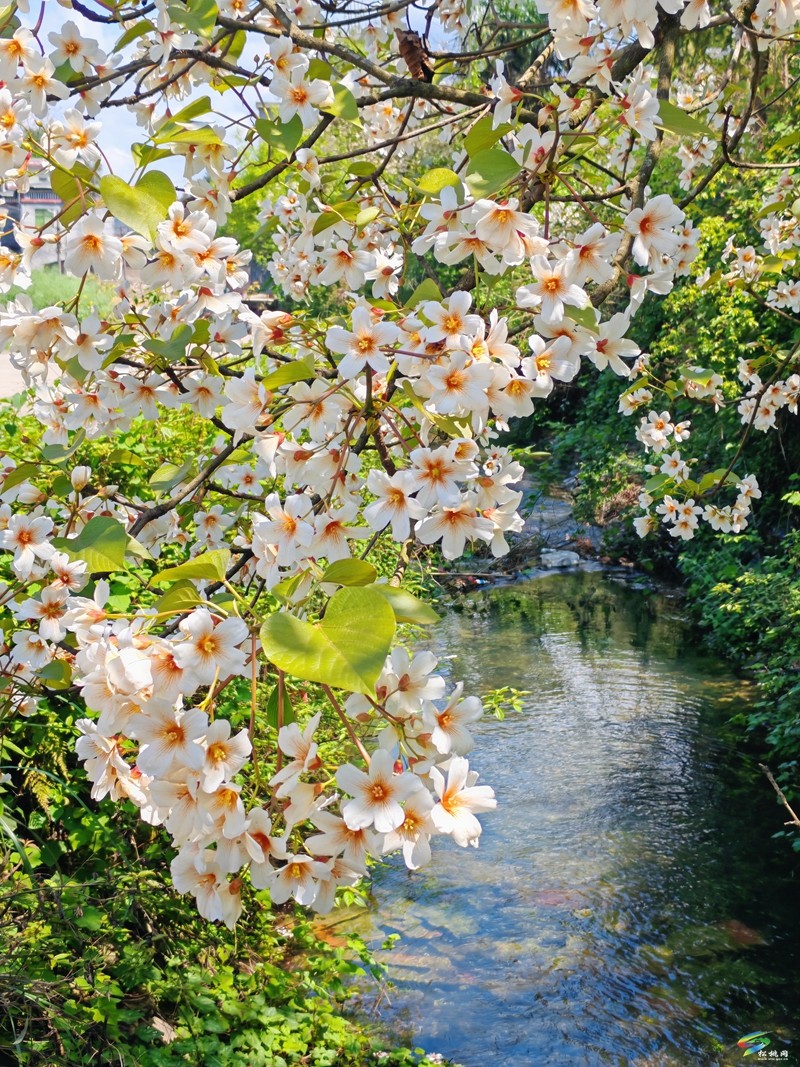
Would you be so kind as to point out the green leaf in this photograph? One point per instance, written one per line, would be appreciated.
(73, 188)
(491, 170)
(141, 206)
(180, 597)
(60, 453)
(787, 141)
(272, 708)
(433, 181)
(584, 317)
(344, 104)
(127, 458)
(199, 16)
(233, 50)
(20, 474)
(211, 566)
(361, 168)
(57, 674)
(168, 475)
(346, 209)
(171, 124)
(700, 377)
(145, 154)
(426, 290)
(282, 137)
(656, 483)
(318, 68)
(138, 29)
(346, 650)
(285, 590)
(772, 265)
(451, 426)
(173, 349)
(676, 121)
(194, 135)
(408, 608)
(62, 486)
(366, 216)
(483, 136)
(350, 572)
(296, 371)
(88, 918)
(101, 544)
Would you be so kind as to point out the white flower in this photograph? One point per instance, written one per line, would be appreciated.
(169, 738)
(27, 538)
(225, 755)
(337, 839)
(553, 288)
(210, 647)
(551, 362)
(377, 794)
(459, 801)
(91, 245)
(299, 96)
(298, 744)
(413, 835)
(363, 346)
(343, 263)
(454, 526)
(299, 878)
(394, 505)
(450, 320)
(652, 229)
(448, 726)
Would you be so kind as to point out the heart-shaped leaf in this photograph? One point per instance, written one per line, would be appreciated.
(282, 137)
(408, 608)
(141, 206)
(211, 566)
(676, 120)
(101, 544)
(490, 170)
(180, 597)
(350, 572)
(346, 650)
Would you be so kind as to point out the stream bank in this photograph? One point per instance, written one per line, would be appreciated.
(627, 905)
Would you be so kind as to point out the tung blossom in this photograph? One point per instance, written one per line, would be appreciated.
(377, 794)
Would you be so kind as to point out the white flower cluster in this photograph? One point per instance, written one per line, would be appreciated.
(329, 432)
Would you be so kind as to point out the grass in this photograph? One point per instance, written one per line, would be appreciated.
(48, 287)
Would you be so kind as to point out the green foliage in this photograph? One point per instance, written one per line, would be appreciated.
(48, 288)
(750, 610)
(96, 945)
(346, 649)
(744, 590)
(104, 964)
(142, 206)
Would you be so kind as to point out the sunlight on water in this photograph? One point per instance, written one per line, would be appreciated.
(628, 906)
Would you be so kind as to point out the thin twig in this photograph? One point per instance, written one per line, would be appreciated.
(346, 722)
(795, 819)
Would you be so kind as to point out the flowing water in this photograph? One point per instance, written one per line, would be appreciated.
(626, 905)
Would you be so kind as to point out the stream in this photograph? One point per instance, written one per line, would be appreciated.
(627, 904)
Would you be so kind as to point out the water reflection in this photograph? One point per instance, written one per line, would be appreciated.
(628, 906)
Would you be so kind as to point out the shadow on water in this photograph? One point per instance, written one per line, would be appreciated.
(626, 905)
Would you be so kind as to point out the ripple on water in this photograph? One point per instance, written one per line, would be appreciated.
(597, 923)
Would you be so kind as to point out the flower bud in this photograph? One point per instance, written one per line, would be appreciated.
(80, 478)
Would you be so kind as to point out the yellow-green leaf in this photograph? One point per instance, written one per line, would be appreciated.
(211, 566)
(141, 206)
(346, 649)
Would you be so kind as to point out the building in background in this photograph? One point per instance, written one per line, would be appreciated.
(31, 209)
